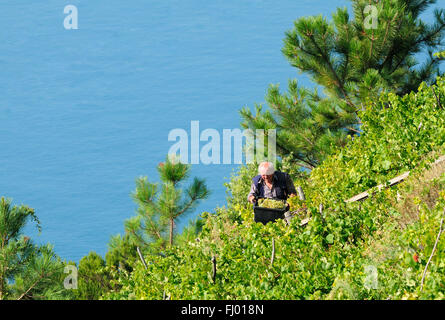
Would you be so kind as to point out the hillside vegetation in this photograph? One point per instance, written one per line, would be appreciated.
(375, 112)
(375, 249)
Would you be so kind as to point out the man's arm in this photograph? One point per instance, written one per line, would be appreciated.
(252, 194)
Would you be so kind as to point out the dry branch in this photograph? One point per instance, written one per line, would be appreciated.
(432, 252)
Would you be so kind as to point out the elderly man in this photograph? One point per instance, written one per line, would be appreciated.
(271, 184)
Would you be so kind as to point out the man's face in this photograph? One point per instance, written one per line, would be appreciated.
(267, 177)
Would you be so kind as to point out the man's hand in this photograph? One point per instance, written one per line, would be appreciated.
(251, 199)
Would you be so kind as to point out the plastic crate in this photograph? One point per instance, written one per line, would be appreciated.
(265, 215)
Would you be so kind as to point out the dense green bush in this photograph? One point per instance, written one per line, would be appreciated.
(376, 249)
(93, 277)
(397, 134)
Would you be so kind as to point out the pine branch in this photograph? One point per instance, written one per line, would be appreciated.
(40, 278)
(390, 55)
(331, 68)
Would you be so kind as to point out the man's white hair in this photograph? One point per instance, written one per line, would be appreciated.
(266, 168)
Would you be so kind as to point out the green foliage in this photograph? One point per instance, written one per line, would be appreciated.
(158, 211)
(239, 184)
(353, 62)
(121, 252)
(367, 126)
(337, 254)
(295, 204)
(94, 277)
(189, 232)
(308, 129)
(151, 230)
(339, 54)
(42, 278)
(173, 171)
(440, 55)
(397, 134)
(27, 271)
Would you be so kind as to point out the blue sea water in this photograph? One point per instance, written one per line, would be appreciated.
(84, 112)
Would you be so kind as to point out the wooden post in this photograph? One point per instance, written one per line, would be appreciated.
(214, 269)
(434, 249)
(273, 252)
(287, 217)
(141, 257)
(320, 209)
(419, 127)
(437, 99)
(301, 193)
(164, 297)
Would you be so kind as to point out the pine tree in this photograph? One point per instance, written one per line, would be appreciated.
(352, 61)
(158, 210)
(36, 271)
